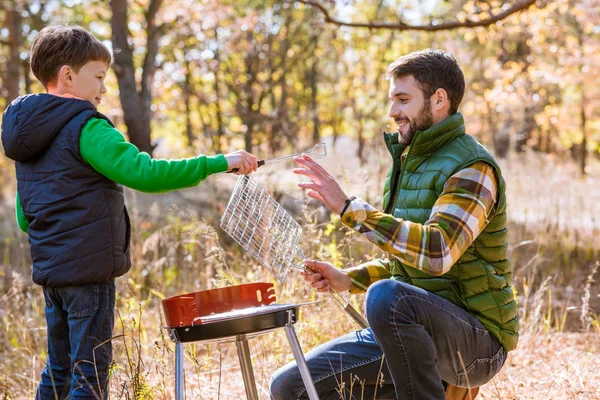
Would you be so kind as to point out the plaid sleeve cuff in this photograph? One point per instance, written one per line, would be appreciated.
(357, 214)
(360, 280)
(364, 275)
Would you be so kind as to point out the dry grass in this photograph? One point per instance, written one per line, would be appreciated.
(549, 366)
(554, 245)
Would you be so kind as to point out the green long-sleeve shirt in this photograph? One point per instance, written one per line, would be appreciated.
(107, 151)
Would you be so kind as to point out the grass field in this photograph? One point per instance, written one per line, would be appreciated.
(554, 246)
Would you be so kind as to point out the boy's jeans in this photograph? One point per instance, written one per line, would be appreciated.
(80, 323)
(421, 335)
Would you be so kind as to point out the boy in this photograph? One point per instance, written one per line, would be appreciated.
(71, 163)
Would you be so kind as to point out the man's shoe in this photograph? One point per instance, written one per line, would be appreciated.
(458, 393)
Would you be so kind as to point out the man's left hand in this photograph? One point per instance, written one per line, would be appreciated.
(323, 186)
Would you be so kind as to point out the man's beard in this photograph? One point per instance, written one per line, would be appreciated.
(423, 122)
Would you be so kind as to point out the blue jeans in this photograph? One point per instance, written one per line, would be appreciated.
(426, 341)
(80, 324)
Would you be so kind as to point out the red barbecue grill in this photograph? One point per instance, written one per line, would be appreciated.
(271, 235)
(241, 311)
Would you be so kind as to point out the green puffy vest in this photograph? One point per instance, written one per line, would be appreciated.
(481, 280)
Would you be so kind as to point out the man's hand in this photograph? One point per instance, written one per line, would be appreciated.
(323, 186)
(324, 276)
(242, 160)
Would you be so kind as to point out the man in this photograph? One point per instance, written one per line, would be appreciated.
(441, 307)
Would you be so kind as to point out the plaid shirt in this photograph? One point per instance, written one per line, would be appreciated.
(461, 212)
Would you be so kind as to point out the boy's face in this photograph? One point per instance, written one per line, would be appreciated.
(88, 83)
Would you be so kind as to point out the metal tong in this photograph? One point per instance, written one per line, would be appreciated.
(342, 302)
(318, 151)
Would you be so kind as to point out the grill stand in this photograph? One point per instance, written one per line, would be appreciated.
(246, 365)
(241, 342)
(179, 373)
(300, 361)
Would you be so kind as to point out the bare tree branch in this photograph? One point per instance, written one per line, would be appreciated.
(37, 21)
(515, 8)
(153, 33)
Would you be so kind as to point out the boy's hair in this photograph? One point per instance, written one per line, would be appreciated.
(60, 45)
(432, 69)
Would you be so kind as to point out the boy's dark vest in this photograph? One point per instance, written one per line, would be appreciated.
(79, 228)
(480, 281)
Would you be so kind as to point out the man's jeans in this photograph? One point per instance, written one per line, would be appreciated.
(80, 324)
(425, 339)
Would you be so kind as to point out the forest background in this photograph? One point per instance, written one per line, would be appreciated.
(276, 77)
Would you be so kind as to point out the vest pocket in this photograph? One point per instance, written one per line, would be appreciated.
(119, 221)
(127, 230)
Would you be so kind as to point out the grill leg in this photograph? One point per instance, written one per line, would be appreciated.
(179, 374)
(301, 362)
(246, 365)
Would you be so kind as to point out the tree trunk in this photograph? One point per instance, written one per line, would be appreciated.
(336, 122)
(501, 138)
(526, 130)
(360, 151)
(283, 111)
(528, 126)
(26, 68)
(358, 119)
(248, 96)
(136, 105)
(36, 23)
(216, 141)
(583, 154)
(313, 101)
(187, 94)
(153, 34)
(248, 136)
(14, 22)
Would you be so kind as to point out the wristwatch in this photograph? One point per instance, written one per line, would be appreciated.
(347, 204)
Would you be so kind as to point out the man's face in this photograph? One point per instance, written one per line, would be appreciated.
(408, 108)
(88, 83)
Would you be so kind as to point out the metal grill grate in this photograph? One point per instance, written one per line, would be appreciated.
(263, 228)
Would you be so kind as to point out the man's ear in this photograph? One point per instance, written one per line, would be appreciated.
(65, 76)
(440, 100)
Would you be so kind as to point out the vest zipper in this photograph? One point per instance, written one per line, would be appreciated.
(393, 203)
(402, 169)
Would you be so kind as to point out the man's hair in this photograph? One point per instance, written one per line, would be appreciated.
(60, 45)
(432, 69)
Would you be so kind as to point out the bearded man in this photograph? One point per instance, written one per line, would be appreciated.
(440, 307)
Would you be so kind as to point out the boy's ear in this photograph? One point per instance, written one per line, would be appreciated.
(65, 76)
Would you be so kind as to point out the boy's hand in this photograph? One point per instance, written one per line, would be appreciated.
(242, 160)
(323, 276)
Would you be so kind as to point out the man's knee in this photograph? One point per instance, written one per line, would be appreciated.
(385, 297)
(385, 293)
